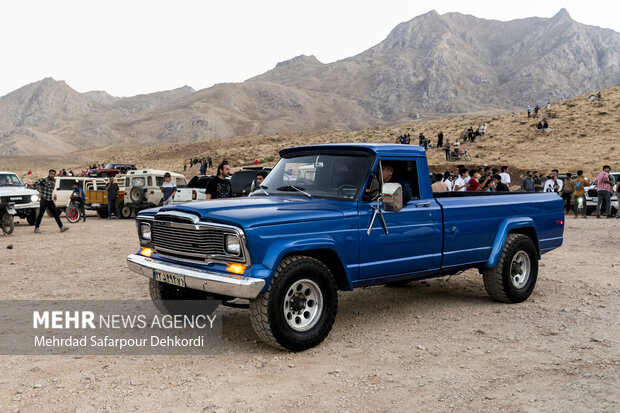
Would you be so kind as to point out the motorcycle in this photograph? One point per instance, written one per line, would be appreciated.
(73, 212)
(7, 212)
(457, 156)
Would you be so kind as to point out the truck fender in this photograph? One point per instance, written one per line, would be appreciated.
(505, 227)
(280, 249)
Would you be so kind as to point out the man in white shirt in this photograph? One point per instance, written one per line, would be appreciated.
(505, 175)
(459, 183)
(553, 184)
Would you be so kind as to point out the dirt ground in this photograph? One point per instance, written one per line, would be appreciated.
(438, 345)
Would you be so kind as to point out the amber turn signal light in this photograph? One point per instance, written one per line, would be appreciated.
(146, 252)
(235, 268)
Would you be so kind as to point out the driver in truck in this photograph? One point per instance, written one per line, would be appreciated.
(388, 174)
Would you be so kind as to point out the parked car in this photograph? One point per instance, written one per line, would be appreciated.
(112, 169)
(142, 188)
(195, 191)
(592, 195)
(241, 181)
(327, 222)
(97, 198)
(14, 192)
(64, 187)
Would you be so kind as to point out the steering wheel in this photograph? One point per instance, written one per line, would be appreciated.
(345, 187)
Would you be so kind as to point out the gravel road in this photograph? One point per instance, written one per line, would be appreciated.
(437, 345)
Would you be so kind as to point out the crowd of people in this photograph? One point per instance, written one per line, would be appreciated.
(205, 163)
(464, 179)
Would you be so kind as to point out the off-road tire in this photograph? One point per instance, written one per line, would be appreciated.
(102, 213)
(104, 175)
(125, 211)
(32, 217)
(166, 297)
(8, 224)
(498, 281)
(267, 310)
(136, 195)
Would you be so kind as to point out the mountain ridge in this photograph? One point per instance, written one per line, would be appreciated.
(428, 66)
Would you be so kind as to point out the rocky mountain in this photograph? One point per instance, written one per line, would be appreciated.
(431, 65)
(459, 63)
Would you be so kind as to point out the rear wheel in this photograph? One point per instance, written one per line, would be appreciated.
(104, 175)
(102, 213)
(514, 277)
(125, 211)
(8, 224)
(299, 307)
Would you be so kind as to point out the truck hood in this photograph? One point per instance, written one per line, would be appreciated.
(16, 191)
(264, 210)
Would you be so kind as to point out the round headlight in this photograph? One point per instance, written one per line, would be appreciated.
(233, 245)
(144, 231)
(34, 198)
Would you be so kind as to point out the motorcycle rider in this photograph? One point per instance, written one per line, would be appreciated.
(79, 197)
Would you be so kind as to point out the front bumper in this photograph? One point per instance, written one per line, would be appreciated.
(213, 282)
(30, 205)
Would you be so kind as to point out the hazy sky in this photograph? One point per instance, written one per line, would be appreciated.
(133, 46)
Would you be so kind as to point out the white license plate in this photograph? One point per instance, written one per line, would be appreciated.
(166, 277)
(95, 205)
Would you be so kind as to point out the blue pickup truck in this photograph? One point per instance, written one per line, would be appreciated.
(337, 217)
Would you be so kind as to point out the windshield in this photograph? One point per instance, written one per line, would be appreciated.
(9, 180)
(339, 176)
(109, 166)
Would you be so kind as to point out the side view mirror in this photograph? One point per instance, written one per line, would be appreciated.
(392, 197)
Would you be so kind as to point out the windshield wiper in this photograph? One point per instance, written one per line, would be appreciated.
(262, 188)
(294, 188)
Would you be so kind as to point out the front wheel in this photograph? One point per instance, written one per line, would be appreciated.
(73, 214)
(168, 298)
(467, 157)
(514, 277)
(8, 224)
(299, 307)
(32, 217)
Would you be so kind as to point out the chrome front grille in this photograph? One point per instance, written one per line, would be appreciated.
(195, 242)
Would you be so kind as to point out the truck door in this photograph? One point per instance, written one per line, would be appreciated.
(414, 239)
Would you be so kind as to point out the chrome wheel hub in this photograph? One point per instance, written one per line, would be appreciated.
(520, 269)
(303, 305)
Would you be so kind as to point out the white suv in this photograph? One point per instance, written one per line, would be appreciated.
(142, 187)
(14, 191)
(592, 195)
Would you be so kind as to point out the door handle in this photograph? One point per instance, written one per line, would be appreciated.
(423, 204)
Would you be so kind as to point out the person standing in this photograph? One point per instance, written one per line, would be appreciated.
(447, 150)
(580, 194)
(567, 190)
(220, 187)
(169, 189)
(439, 185)
(210, 162)
(440, 139)
(459, 183)
(185, 165)
(603, 189)
(45, 186)
(112, 188)
(529, 183)
(529, 111)
(505, 174)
